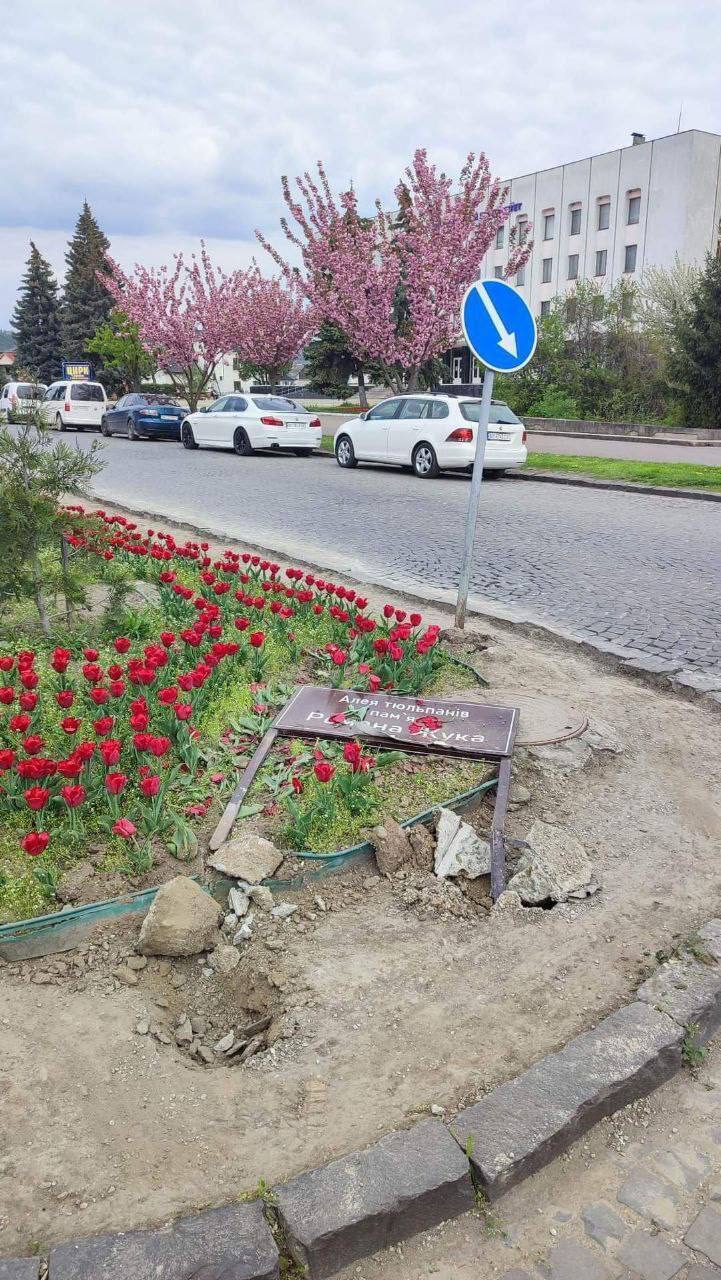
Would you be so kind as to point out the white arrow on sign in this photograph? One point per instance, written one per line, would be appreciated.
(506, 340)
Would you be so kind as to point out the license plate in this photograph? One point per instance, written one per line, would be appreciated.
(499, 435)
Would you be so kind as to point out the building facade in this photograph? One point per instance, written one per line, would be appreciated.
(607, 218)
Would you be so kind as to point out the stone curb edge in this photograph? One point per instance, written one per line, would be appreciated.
(621, 486)
(415, 1178)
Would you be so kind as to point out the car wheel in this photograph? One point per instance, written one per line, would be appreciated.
(302, 453)
(425, 462)
(104, 428)
(187, 437)
(494, 474)
(132, 433)
(242, 444)
(345, 453)
(59, 424)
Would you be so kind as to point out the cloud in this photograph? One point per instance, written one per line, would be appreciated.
(177, 119)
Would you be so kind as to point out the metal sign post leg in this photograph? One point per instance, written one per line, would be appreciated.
(473, 500)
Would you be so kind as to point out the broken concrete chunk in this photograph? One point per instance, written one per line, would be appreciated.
(284, 910)
(554, 869)
(459, 849)
(601, 737)
(182, 921)
(249, 857)
(224, 959)
(238, 902)
(563, 757)
(261, 895)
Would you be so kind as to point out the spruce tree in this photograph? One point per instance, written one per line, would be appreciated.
(36, 320)
(695, 365)
(86, 302)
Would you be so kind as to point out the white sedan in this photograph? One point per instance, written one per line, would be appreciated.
(431, 433)
(248, 422)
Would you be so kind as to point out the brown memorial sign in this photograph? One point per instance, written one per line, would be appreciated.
(439, 725)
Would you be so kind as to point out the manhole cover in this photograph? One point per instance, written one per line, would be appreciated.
(543, 718)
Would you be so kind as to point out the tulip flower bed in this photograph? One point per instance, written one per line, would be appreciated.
(130, 741)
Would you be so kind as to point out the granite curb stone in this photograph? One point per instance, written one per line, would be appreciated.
(408, 1182)
(687, 990)
(19, 1268)
(237, 1237)
(522, 1125)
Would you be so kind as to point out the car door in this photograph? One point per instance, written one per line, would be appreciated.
(115, 417)
(370, 433)
(215, 423)
(405, 430)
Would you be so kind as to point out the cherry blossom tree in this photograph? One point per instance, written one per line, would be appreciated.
(187, 316)
(273, 324)
(393, 283)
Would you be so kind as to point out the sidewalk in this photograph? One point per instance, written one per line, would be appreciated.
(580, 446)
(639, 1198)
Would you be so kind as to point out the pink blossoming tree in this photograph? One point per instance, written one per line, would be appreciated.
(187, 317)
(273, 324)
(393, 283)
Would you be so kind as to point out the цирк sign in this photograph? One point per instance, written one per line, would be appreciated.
(439, 725)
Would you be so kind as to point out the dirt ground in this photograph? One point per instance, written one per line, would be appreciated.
(397, 1004)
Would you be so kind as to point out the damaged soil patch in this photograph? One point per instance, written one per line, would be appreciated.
(393, 993)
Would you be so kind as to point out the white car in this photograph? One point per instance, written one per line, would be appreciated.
(248, 422)
(74, 404)
(431, 433)
(17, 398)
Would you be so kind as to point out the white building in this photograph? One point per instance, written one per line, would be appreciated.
(611, 216)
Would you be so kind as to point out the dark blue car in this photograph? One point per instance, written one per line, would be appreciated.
(141, 415)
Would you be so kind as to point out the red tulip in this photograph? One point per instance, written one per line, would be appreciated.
(33, 745)
(99, 696)
(257, 639)
(73, 795)
(28, 701)
(29, 679)
(242, 624)
(35, 843)
(93, 672)
(297, 784)
(324, 770)
(169, 695)
(60, 660)
(20, 723)
(110, 751)
(183, 710)
(103, 726)
(36, 798)
(160, 746)
(70, 768)
(117, 688)
(388, 610)
(6, 664)
(125, 828)
(416, 619)
(150, 785)
(121, 644)
(70, 724)
(7, 759)
(84, 751)
(92, 655)
(115, 783)
(7, 695)
(65, 699)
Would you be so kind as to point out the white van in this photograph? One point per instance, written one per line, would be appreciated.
(74, 404)
(17, 397)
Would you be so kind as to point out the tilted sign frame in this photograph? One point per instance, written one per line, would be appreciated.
(383, 720)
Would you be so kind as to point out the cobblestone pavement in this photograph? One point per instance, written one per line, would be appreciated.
(638, 1199)
(629, 573)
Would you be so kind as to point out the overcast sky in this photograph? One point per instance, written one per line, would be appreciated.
(176, 118)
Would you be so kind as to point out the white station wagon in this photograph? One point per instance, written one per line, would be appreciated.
(431, 433)
(248, 422)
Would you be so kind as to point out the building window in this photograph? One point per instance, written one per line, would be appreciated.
(546, 268)
(522, 227)
(634, 210)
(573, 266)
(601, 260)
(549, 222)
(475, 370)
(604, 215)
(521, 275)
(575, 227)
(629, 262)
(457, 369)
(500, 236)
(546, 307)
(498, 273)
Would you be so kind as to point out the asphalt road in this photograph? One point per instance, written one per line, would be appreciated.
(629, 573)
(636, 450)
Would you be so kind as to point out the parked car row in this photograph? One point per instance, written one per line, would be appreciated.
(428, 433)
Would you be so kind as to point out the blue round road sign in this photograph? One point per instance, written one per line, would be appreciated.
(498, 325)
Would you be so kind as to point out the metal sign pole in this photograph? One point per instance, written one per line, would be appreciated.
(474, 497)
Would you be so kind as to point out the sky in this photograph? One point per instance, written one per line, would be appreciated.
(176, 119)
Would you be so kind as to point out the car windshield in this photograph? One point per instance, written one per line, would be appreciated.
(500, 413)
(158, 399)
(280, 403)
(86, 391)
(26, 391)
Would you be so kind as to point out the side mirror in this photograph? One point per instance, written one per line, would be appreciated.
(362, 416)
(204, 409)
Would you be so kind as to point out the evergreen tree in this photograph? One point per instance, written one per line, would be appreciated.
(695, 366)
(86, 302)
(36, 320)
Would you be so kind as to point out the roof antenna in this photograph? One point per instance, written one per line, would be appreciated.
(680, 113)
